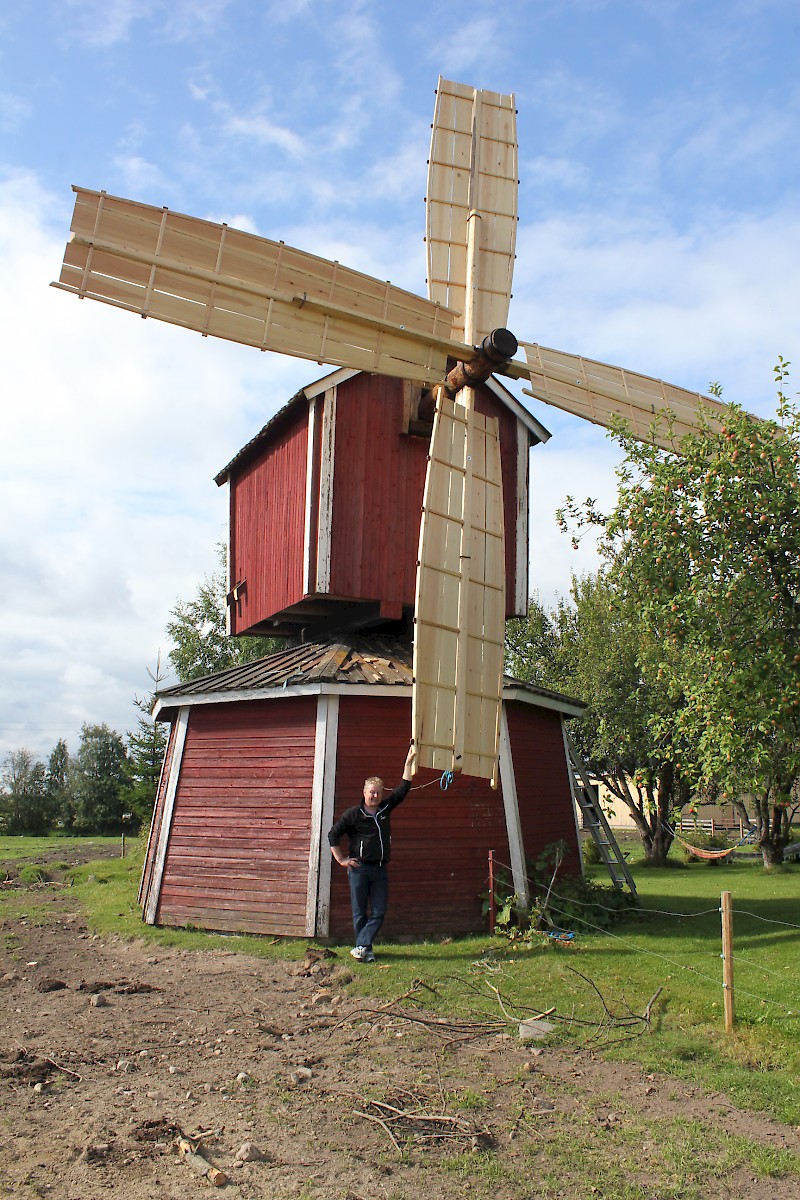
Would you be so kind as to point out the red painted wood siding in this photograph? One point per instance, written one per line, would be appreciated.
(546, 810)
(155, 823)
(267, 523)
(379, 476)
(440, 840)
(239, 845)
(377, 493)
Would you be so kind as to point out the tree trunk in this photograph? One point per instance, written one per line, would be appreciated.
(773, 823)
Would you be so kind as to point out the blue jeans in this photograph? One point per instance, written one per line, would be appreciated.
(369, 895)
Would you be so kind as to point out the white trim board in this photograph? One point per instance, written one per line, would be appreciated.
(508, 784)
(322, 803)
(165, 704)
(154, 893)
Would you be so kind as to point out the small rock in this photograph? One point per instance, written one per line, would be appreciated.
(98, 1000)
(249, 1152)
(125, 1065)
(175, 1070)
(40, 1087)
(533, 1030)
(301, 1074)
(243, 1078)
(144, 1054)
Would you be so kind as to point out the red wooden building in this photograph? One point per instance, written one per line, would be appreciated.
(263, 757)
(324, 527)
(325, 505)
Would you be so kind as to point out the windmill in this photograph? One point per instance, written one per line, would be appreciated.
(224, 283)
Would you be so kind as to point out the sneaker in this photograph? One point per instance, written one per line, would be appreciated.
(358, 953)
(367, 955)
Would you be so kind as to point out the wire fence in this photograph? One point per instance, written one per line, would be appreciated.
(568, 915)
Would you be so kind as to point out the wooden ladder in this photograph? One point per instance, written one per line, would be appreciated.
(594, 819)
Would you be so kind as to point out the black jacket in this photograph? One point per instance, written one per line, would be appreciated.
(370, 836)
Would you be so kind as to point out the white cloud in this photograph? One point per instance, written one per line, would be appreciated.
(111, 434)
(14, 111)
(471, 44)
(715, 303)
(139, 174)
(106, 22)
(265, 132)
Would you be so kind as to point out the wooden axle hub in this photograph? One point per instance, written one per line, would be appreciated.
(496, 348)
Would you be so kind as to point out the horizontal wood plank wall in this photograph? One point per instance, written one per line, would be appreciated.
(440, 839)
(268, 498)
(155, 823)
(238, 853)
(510, 431)
(378, 480)
(543, 793)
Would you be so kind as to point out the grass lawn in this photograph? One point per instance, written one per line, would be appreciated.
(673, 944)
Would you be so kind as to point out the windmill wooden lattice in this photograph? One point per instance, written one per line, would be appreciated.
(243, 288)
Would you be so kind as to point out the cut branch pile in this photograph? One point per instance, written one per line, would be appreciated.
(415, 1124)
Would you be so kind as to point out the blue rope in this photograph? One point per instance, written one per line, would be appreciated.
(446, 780)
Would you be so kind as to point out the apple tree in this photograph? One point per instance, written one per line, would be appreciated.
(704, 544)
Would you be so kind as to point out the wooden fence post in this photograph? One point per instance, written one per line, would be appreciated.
(727, 959)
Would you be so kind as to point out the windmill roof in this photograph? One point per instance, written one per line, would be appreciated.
(335, 664)
(537, 431)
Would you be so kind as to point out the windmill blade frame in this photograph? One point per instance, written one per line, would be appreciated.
(471, 206)
(225, 283)
(655, 411)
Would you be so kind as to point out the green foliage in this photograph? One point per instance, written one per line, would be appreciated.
(100, 777)
(58, 785)
(558, 902)
(25, 805)
(595, 647)
(201, 644)
(704, 544)
(146, 746)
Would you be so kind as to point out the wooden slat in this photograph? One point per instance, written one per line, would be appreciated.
(247, 289)
(472, 182)
(598, 392)
(460, 603)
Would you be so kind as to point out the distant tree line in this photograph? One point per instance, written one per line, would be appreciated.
(107, 786)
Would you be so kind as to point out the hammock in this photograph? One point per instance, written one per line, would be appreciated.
(699, 853)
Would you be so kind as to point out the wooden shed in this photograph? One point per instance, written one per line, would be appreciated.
(263, 757)
(325, 505)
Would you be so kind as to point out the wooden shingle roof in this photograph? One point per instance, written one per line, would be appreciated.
(336, 663)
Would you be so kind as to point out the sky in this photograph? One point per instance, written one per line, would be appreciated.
(659, 230)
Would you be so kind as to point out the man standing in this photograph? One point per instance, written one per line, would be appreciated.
(368, 828)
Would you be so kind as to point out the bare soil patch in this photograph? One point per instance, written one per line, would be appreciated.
(276, 1076)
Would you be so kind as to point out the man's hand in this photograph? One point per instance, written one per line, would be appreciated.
(343, 861)
(409, 763)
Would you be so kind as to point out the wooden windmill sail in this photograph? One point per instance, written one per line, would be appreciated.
(225, 283)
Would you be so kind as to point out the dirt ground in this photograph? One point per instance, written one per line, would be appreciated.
(113, 1051)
